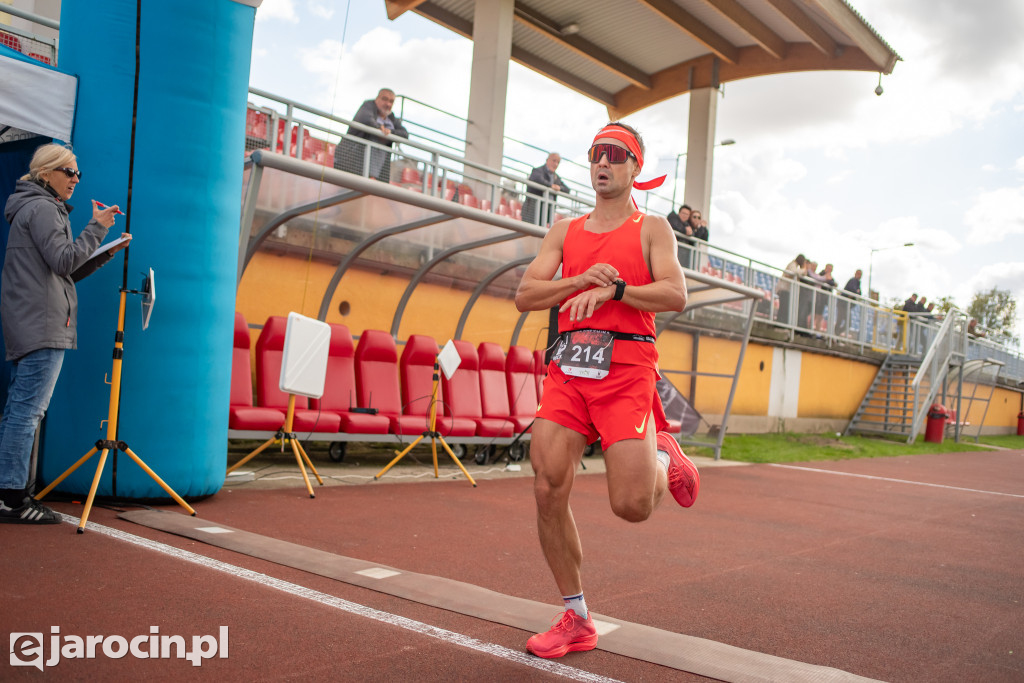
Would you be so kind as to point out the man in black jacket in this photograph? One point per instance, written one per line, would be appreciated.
(350, 154)
(543, 175)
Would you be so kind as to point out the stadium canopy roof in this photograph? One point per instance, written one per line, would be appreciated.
(631, 54)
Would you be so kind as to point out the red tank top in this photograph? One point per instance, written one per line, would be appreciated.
(622, 249)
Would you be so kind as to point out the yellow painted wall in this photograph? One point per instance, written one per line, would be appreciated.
(832, 387)
(276, 285)
(1003, 406)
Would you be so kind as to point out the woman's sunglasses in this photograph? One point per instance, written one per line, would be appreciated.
(69, 172)
(616, 154)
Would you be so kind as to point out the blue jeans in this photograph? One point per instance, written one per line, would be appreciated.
(33, 378)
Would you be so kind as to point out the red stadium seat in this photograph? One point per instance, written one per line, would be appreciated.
(10, 41)
(522, 386)
(340, 388)
(269, 356)
(38, 57)
(469, 200)
(377, 381)
(540, 369)
(463, 394)
(493, 385)
(411, 176)
(243, 415)
(416, 368)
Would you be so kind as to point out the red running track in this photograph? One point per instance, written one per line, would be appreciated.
(910, 572)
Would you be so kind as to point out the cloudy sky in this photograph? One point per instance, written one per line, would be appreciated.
(821, 165)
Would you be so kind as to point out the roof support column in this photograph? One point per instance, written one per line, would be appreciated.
(492, 52)
(700, 149)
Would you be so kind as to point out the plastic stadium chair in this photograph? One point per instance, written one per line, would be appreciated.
(416, 368)
(377, 381)
(243, 414)
(493, 385)
(340, 388)
(462, 393)
(522, 386)
(269, 356)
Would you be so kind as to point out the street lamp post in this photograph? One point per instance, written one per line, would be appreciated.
(871, 264)
(675, 174)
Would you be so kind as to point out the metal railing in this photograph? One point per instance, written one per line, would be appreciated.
(36, 46)
(427, 167)
(950, 342)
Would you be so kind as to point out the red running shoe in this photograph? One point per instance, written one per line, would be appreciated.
(572, 633)
(683, 477)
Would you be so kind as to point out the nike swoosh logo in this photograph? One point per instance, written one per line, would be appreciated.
(640, 429)
(539, 405)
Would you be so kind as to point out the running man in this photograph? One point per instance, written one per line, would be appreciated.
(619, 268)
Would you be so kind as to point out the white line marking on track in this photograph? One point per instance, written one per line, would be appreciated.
(378, 573)
(898, 481)
(451, 637)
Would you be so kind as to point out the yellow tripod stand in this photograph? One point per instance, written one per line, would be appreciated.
(434, 435)
(104, 446)
(283, 436)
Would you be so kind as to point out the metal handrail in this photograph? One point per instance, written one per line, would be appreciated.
(935, 365)
(30, 16)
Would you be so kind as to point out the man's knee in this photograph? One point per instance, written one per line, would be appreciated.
(633, 509)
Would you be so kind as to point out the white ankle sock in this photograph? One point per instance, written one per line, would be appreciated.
(664, 459)
(576, 603)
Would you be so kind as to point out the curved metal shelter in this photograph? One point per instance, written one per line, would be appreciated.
(630, 54)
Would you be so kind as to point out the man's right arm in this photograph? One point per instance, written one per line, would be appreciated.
(367, 114)
(537, 291)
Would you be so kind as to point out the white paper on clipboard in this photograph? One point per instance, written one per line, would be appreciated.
(109, 245)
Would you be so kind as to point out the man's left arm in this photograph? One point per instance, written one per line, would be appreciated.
(668, 291)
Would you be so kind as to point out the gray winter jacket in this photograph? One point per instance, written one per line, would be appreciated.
(38, 302)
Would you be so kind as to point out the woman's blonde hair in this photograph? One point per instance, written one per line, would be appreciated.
(48, 158)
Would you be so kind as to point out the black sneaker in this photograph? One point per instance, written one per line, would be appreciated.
(30, 512)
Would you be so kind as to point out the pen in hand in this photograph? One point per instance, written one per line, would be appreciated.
(103, 206)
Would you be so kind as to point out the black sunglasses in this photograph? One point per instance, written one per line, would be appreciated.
(69, 172)
(616, 154)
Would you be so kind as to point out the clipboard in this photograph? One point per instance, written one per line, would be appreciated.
(107, 246)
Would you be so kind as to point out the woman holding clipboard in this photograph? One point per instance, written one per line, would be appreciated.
(39, 308)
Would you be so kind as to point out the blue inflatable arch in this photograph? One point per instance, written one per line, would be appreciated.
(182, 179)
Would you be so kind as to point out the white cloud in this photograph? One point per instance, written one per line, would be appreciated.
(321, 10)
(996, 215)
(1019, 164)
(283, 10)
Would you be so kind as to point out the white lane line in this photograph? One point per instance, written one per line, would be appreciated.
(898, 481)
(459, 639)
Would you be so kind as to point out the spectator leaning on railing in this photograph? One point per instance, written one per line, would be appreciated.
(350, 155)
(794, 271)
(843, 307)
(543, 175)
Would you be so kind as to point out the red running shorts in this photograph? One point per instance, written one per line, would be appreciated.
(614, 408)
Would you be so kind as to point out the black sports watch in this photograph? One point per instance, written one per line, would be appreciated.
(620, 289)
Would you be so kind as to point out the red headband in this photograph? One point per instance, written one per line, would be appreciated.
(627, 138)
